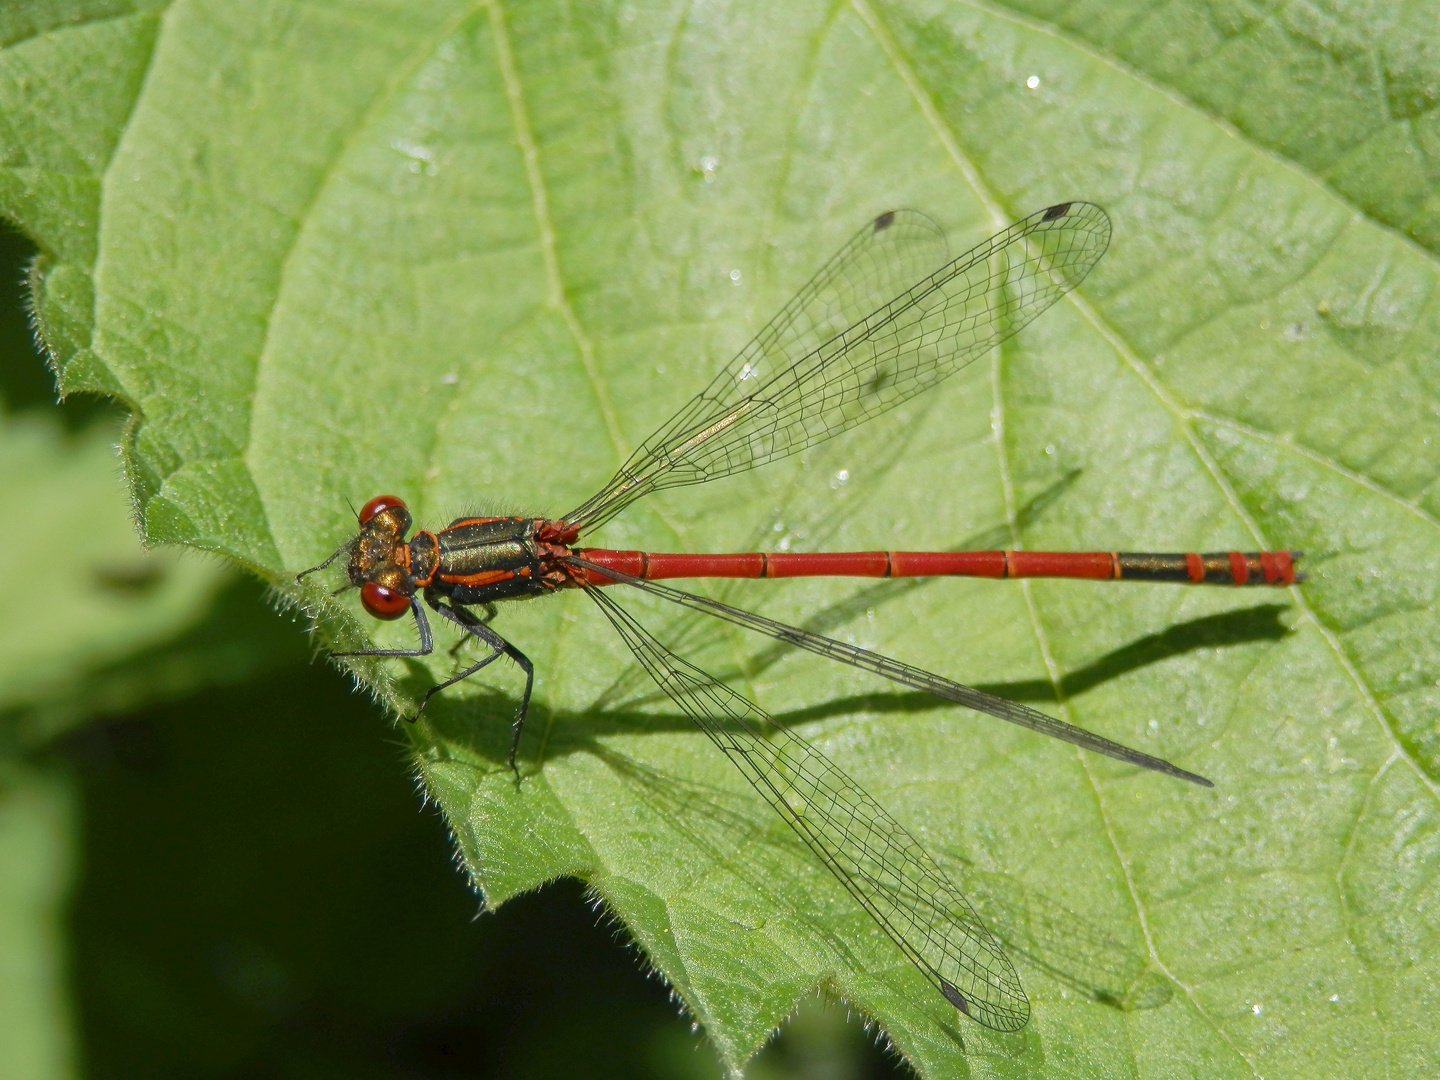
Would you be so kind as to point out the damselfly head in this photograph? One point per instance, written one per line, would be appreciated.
(380, 559)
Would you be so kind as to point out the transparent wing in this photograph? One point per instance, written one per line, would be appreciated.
(846, 348)
(881, 261)
(877, 861)
(904, 674)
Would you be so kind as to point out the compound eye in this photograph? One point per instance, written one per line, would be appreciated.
(383, 603)
(377, 504)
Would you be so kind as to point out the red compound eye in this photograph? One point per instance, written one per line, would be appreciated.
(383, 603)
(375, 505)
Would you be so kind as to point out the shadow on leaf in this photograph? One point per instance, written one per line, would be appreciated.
(481, 721)
(1241, 627)
(723, 824)
(1069, 948)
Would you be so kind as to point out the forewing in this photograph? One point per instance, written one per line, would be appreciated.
(829, 360)
(878, 862)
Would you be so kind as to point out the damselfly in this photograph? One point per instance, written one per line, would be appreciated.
(888, 317)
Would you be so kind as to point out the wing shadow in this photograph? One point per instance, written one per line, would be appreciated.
(721, 821)
(483, 720)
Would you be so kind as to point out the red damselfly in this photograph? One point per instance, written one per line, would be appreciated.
(889, 316)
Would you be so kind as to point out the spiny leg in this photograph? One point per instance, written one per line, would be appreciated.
(488, 612)
(421, 623)
(471, 623)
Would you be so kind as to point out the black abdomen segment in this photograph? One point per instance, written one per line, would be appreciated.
(1212, 568)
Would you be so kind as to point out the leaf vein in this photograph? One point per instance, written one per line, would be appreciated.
(1184, 421)
(1323, 460)
(558, 298)
(1190, 105)
(329, 175)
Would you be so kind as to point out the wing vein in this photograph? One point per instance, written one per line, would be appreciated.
(885, 319)
(877, 861)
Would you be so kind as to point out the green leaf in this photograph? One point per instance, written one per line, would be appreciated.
(37, 854)
(98, 625)
(1347, 92)
(96, 605)
(472, 255)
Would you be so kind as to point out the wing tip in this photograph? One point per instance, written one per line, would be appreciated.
(996, 1019)
(1178, 773)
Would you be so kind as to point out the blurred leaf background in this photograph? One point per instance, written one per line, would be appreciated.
(446, 250)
